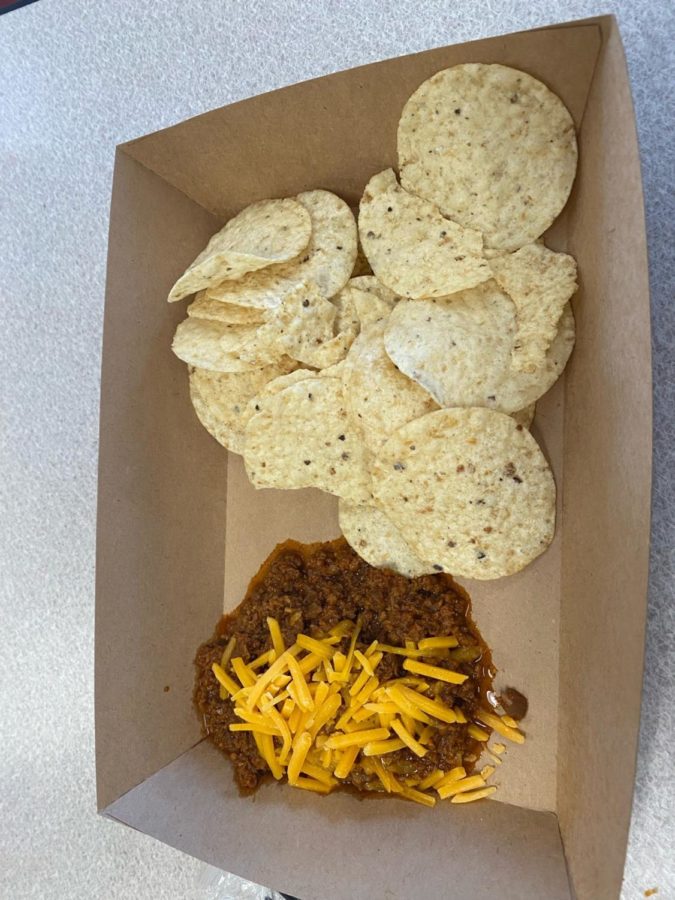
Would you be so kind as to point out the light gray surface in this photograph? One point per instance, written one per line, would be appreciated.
(76, 78)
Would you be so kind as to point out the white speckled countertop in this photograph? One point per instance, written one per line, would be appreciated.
(76, 78)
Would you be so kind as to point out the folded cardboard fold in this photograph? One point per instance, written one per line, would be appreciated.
(178, 519)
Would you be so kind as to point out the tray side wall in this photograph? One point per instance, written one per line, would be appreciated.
(606, 495)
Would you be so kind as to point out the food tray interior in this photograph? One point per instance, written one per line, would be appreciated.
(180, 527)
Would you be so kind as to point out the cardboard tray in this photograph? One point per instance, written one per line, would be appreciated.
(177, 518)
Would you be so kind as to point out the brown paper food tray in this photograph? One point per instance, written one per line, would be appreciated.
(177, 518)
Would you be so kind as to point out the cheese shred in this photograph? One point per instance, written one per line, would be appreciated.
(419, 668)
(317, 709)
(407, 738)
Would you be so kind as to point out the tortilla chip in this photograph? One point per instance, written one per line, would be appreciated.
(221, 400)
(280, 382)
(370, 309)
(275, 386)
(302, 437)
(334, 371)
(327, 261)
(540, 282)
(519, 389)
(492, 147)
(370, 285)
(459, 349)
(469, 490)
(379, 397)
(346, 327)
(267, 232)
(212, 345)
(374, 301)
(300, 325)
(378, 541)
(204, 308)
(412, 249)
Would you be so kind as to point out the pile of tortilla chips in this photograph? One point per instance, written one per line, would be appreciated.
(397, 365)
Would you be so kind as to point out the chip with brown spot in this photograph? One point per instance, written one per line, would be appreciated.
(412, 248)
(302, 437)
(500, 165)
(492, 476)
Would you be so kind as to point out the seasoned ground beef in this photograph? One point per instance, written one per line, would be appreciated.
(309, 589)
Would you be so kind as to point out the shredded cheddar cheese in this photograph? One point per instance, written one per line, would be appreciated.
(470, 796)
(407, 738)
(275, 634)
(225, 681)
(310, 784)
(453, 775)
(297, 761)
(243, 673)
(460, 785)
(478, 733)
(346, 763)
(497, 723)
(316, 711)
(379, 748)
(420, 668)
(436, 643)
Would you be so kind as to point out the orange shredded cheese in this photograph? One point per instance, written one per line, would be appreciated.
(478, 733)
(225, 681)
(346, 763)
(458, 787)
(407, 738)
(420, 668)
(316, 711)
(435, 643)
(275, 634)
(379, 748)
(497, 724)
(433, 707)
(470, 796)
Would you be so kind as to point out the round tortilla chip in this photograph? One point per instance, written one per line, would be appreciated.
(221, 400)
(370, 285)
(212, 345)
(379, 397)
(378, 541)
(346, 327)
(204, 308)
(492, 147)
(302, 437)
(300, 325)
(265, 233)
(275, 386)
(370, 309)
(374, 301)
(412, 248)
(540, 282)
(280, 382)
(459, 349)
(283, 381)
(327, 261)
(519, 389)
(469, 491)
